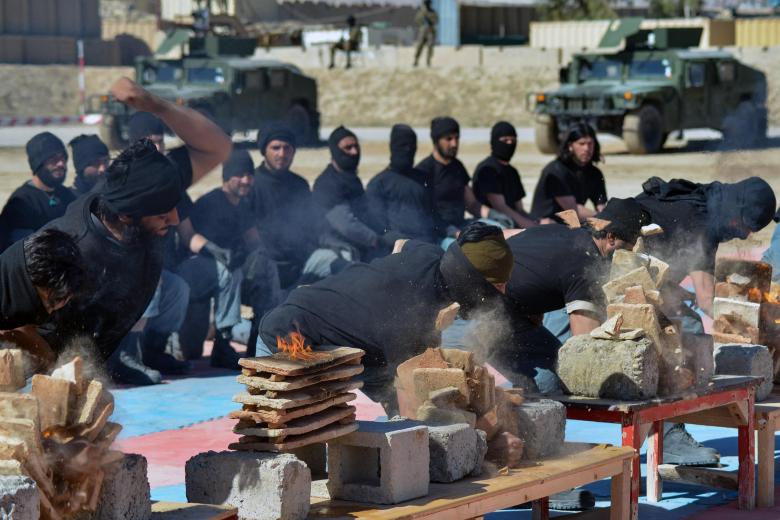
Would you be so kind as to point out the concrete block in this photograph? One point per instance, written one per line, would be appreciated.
(609, 369)
(746, 360)
(541, 426)
(263, 486)
(624, 262)
(19, 498)
(427, 380)
(455, 451)
(699, 352)
(482, 448)
(125, 493)
(748, 313)
(639, 276)
(11, 370)
(314, 456)
(380, 463)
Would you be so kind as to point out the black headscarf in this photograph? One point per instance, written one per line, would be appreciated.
(342, 159)
(626, 218)
(43, 147)
(441, 126)
(500, 150)
(19, 301)
(86, 150)
(403, 146)
(148, 184)
(274, 132)
(239, 163)
(144, 124)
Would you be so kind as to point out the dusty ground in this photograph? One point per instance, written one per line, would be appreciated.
(699, 161)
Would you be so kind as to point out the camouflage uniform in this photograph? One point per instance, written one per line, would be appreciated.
(350, 45)
(427, 19)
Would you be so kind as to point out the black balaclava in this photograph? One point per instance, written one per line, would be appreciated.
(500, 150)
(86, 150)
(274, 132)
(736, 209)
(40, 149)
(151, 185)
(19, 301)
(626, 218)
(238, 164)
(403, 146)
(343, 160)
(144, 124)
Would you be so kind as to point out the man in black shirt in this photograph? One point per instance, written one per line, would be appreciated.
(496, 183)
(572, 179)
(119, 230)
(389, 307)
(400, 196)
(41, 199)
(90, 157)
(143, 125)
(282, 204)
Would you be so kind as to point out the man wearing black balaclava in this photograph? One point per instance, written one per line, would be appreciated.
(90, 157)
(119, 230)
(452, 195)
(348, 232)
(496, 183)
(41, 199)
(399, 196)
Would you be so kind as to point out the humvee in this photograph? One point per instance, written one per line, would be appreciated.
(219, 78)
(652, 86)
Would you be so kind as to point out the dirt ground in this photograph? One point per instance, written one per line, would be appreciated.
(700, 161)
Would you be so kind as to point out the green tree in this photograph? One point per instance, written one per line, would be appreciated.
(560, 10)
(674, 8)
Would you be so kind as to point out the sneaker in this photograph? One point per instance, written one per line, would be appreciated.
(126, 366)
(223, 355)
(574, 500)
(683, 450)
(173, 347)
(154, 355)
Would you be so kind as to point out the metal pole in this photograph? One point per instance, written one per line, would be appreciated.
(82, 80)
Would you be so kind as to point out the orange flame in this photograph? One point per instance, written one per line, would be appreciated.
(294, 346)
(770, 298)
(777, 321)
(754, 294)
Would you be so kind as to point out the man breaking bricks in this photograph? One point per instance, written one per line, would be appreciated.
(119, 230)
(390, 307)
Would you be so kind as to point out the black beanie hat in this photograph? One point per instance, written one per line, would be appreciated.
(43, 147)
(238, 164)
(274, 132)
(144, 124)
(86, 150)
(441, 126)
(626, 218)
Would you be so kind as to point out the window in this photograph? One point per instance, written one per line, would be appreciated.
(161, 73)
(696, 75)
(206, 75)
(278, 78)
(254, 80)
(650, 69)
(600, 69)
(726, 71)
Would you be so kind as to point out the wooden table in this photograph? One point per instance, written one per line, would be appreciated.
(728, 401)
(576, 465)
(189, 511)
(767, 422)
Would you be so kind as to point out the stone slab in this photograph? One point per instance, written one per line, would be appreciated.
(748, 312)
(281, 363)
(746, 360)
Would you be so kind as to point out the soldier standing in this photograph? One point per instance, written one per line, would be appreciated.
(427, 19)
(350, 45)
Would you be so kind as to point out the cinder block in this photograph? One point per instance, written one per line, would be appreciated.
(427, 380)
(263, 486)
(314, 456)
(125, 493)
(541, 425)
(380, 463)
(746, 360)
(624, 262)
(609, 369)
(19, 498)
(748, 312)
(639, 276)
(699, 350)
(456, 451)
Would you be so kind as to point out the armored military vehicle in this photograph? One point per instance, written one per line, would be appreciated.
(641, 85)
(218, 77)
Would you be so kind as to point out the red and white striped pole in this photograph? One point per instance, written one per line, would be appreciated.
(82, 79)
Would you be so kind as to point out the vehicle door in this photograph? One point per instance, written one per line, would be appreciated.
(723, 95)
(695, 96)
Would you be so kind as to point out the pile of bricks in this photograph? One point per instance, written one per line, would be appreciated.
(295, 400)
(59, 435)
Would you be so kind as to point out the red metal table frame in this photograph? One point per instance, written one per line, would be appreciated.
(728, 401)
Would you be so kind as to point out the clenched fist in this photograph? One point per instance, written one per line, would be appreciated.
(130, 93)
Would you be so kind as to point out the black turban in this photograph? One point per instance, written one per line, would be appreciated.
(441, 126)
(43, 147)
(626, 218)
(274, 132)
(86, 150)
(144, 124)
(498, 148)
(403, 146)
(148, 184)
(238, 164)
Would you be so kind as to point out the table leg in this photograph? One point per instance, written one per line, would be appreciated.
(655, 456)
(620, 506)
(746, 474)
(766, 463)
(632, 437)
(540, 509)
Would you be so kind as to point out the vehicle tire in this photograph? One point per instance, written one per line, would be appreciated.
(643, 130)
(110, 134)
(746, 126)
(546, 134)
(299, 121)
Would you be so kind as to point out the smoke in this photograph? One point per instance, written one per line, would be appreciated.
(92, 362)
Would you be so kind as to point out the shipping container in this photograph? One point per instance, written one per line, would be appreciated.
(48, 50)
(90, 19)
(69, 18)
(15, 17)
(758, 32)
(101, 53)
(12, 49)
(43, 17)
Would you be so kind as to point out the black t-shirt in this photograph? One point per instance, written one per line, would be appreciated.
(29, 209)
(402, 204)
(221, 222)
(388, 307)
(555, 267)
(492, 176)
(449, 182)
(563, 179)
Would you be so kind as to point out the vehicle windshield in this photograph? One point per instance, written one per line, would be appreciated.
(161, 73)
(206, 75)
(601, 68)
(650, 68)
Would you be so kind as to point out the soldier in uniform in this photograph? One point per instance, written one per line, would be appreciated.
(427, 19)
(350, 45)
